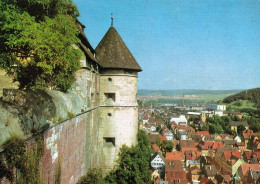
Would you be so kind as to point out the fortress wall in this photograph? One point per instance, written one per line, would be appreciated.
(72, 144)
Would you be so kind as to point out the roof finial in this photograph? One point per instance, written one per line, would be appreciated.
(112, 19)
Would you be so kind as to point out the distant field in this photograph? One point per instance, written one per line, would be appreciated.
(175, 96)
(145, 92)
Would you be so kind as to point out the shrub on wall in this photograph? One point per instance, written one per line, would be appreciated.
(25, 161)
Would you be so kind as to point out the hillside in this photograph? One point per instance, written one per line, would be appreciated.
(144, 92)
(252, 95)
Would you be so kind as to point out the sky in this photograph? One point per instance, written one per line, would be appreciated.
(183, 44)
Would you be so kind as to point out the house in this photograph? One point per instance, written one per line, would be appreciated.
(210, 171)
(203, 132)
(236, 166)
(251, 157)
(205, 181)
(158, 163)
(174, 172)
(249, 173)
(181, 120)
(155, 148)
(217, 107)
(177, 155)
(155, 175)
(187, 145)
(207, 146)
(192, 158)
(182, 135)
(241, 146)
(153, 138)
(238, 139)
(234, 124)
(167, 133)
(194, 173)
(230, 143)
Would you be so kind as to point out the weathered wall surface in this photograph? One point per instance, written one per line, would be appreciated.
(118, 114)
(121, 124)
(28, 111)
(74, 146)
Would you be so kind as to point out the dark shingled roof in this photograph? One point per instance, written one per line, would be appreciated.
(112, 52)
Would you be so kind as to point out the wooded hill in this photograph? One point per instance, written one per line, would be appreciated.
(252, 95)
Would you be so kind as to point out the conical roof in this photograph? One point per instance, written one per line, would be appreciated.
(112, 52)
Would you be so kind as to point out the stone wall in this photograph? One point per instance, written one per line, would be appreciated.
(72, 144)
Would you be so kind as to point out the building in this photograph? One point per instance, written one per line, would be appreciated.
(181, 120)
(158, 163)
(118, 95)
(103, 101)
(217, 107)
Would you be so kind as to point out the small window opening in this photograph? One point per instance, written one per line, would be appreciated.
(110, 96)
(109, 114)
(109, 141)
(110, 79)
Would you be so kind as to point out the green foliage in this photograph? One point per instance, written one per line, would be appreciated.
(58, 172)
(37, 39)
(166, 146)
(240, 129)
(15, 155)
(254, 124)
(252, 95)
(94, 176)
(70, 114)
(133, 163)
(219, 124)
(158, 141)
(215, 129)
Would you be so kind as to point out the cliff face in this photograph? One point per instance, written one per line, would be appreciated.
(30, 111)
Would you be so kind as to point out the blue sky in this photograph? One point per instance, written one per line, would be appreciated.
(183, 44)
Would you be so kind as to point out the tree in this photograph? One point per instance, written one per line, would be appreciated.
(240, 129)
(133, 163)
(215, 128)
(94, 175)
(166, 146)
(38, 41)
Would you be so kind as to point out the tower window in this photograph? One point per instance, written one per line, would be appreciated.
(109, 141)
(109, 114)
(110, 96)
(110, 79)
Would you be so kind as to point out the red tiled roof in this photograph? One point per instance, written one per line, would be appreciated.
(174, 155)
(236, 154)
(163, 138)
(188, 157)
(203, 132)
(217, 144)
(247, 167)
(175, 175)
(227, 154)
(155, 147)
(205, 181)
(248, 154)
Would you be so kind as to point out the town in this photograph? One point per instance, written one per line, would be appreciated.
(185, 148)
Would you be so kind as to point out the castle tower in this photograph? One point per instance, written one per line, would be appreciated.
(118, 110)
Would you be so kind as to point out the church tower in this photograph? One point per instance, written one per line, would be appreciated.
(118, 110)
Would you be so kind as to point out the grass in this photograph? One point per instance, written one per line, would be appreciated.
(241, 104)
